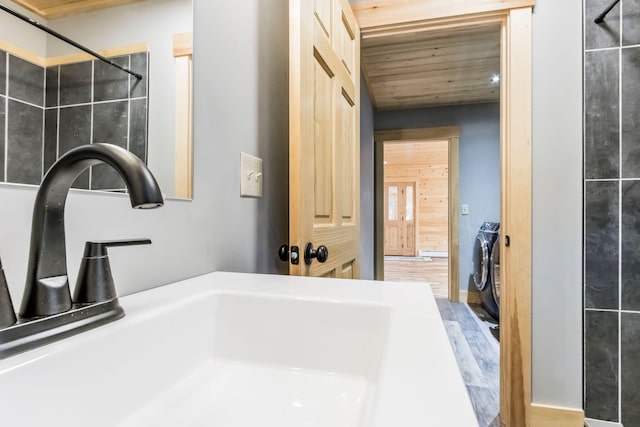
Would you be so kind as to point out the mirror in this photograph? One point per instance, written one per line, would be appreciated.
(54, 97)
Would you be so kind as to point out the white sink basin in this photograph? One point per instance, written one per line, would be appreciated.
(229, 349)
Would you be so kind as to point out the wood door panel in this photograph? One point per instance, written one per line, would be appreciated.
(324, 134)
(346, 143)
(323, 147)
(322, 12)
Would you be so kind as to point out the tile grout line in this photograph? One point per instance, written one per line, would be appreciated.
(620, 174)
(93, 88)
(584, 210)
(6, 118)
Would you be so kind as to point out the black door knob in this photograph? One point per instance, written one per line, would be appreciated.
(321, 254)
(283, 253)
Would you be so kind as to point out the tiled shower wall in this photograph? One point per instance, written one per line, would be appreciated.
(612, 213)
(46, 112)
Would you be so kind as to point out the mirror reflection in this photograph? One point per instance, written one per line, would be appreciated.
(54, 97)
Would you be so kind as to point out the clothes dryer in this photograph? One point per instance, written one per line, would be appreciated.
(481, 265)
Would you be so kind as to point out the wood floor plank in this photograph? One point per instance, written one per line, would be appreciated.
(433, 271)
(478, 359)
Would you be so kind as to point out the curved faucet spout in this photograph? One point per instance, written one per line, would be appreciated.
(47, 288)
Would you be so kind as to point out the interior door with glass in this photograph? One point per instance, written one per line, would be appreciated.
(324, 135)
(399, 219)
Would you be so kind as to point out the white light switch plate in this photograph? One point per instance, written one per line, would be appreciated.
(250, 176)
(464, 209)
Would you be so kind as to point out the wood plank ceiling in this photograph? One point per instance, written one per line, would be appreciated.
(432, 68)
(50, 9)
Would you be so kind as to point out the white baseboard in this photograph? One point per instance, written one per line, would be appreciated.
(434, 254)
(597, 423)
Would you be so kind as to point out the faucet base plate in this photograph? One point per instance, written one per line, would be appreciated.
(31, 333)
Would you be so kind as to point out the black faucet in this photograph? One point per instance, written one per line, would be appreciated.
(47, 308)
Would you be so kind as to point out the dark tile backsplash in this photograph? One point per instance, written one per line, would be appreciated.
(629, 351)
(603, 35)
(51, 93)
(50, 138)
(601, 104)
(111, 83)
(3, 72)
(601, 244)
(26, 81)
(138, 128)
(630, 109)
(75, 83)
(601, 365)
(24, 143)
(75, 130)
(110, 125)
(139, 63)
(631, 245)
(612, 212)
(55, 109)
(630, 28)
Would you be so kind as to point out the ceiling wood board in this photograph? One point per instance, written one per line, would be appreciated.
(50, 9)
(433, 68)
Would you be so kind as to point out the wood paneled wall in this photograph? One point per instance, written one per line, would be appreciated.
(426, 164)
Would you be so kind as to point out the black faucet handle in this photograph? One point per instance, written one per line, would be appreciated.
(98, 248)
(95, 283)
(7, 315)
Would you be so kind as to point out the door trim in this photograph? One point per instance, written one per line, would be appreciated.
(385, 17)
(452, 135)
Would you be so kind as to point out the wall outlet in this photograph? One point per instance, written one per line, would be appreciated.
(464, 209)
(250, 176)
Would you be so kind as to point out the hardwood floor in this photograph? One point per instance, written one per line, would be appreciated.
(478, 355)
(434, 271)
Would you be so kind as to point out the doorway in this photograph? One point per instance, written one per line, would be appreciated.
(514, 19)
(436, 230)
(416, 205)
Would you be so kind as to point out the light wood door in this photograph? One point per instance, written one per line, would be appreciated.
(324, 135)
(399, 219)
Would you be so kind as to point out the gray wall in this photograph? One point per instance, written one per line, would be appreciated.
(479, 163)
(612, 214)
(240, 104)
(367, 186)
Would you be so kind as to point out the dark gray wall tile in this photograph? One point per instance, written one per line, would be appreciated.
(75, 130)
(139, 65)
(138, 128)
(2, 141)
(630, 19)
(630, 364)
(110, 125)
(50, 137)
(602, 35)
(75, 83)
(630, 108)
(601, 114)
(3, 72)
(24, 143)
(26, 81)
(601, 244)
(110, 82)
(601, 365)
(52, 86)
(631, 245)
